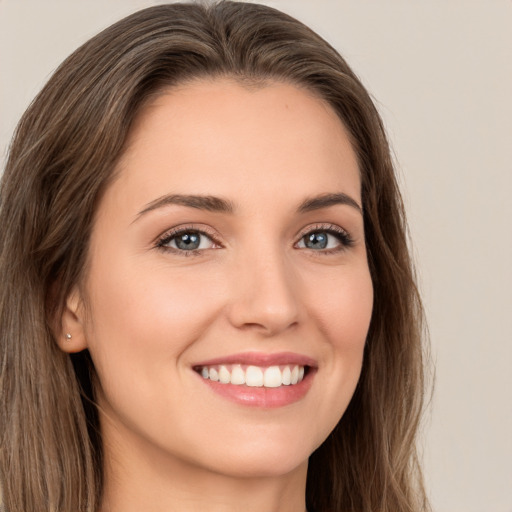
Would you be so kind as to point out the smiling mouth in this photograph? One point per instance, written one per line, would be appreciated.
(254, 376)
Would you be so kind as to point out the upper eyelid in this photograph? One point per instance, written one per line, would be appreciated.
(345, 238)
(175, 231)
(321, 227)
(216, 237)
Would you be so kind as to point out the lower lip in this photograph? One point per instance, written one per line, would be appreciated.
(266, 398)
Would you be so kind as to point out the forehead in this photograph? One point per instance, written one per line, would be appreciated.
(202, 136)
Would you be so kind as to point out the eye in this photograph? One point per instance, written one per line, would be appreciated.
(186, 240)
(328, 239)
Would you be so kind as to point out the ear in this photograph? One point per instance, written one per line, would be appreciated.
(70, 332)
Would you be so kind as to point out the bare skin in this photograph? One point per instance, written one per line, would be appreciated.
(273, 263)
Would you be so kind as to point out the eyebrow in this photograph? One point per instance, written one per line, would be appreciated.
(326, 200)
(208, 203)
(220, 205)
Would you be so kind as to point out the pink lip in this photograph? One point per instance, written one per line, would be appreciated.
(260, 359)
(262, 397)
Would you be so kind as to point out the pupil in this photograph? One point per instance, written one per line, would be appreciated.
(316, 241)
(188, 241)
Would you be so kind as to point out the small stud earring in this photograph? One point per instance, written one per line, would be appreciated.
(68, 336)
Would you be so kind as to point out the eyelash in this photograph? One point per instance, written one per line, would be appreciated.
(168, 236)
(346, 241)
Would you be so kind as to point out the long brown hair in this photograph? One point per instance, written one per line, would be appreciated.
(61, 160)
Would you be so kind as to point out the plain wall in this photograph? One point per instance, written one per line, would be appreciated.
(441, 74)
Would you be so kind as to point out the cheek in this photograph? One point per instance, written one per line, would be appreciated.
(342, 305)
(142, 318)
(342, 311)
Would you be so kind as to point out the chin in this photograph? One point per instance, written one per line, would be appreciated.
(264, 467)
(263, 459)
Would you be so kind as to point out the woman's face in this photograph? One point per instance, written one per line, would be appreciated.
(230, 246)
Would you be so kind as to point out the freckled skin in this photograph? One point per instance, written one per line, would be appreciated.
(154, 313)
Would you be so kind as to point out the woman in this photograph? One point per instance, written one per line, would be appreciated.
(207, 300)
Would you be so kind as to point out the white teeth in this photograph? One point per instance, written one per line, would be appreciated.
(224, 375)
(272, 377)
(254, 376)
(295, 375)
(237, 375)
(287, 376)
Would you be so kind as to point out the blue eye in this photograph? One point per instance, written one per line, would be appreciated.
(325, 239)
(186, 240)
(316, 240)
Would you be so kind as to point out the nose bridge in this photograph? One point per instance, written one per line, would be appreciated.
(264, 295)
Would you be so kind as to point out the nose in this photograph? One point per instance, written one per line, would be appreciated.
(264, 294)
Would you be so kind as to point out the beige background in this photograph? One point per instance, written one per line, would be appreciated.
(441, 73)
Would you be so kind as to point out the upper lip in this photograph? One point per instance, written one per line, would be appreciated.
(261, 359)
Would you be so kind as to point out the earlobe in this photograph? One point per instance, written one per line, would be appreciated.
(70, 332)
